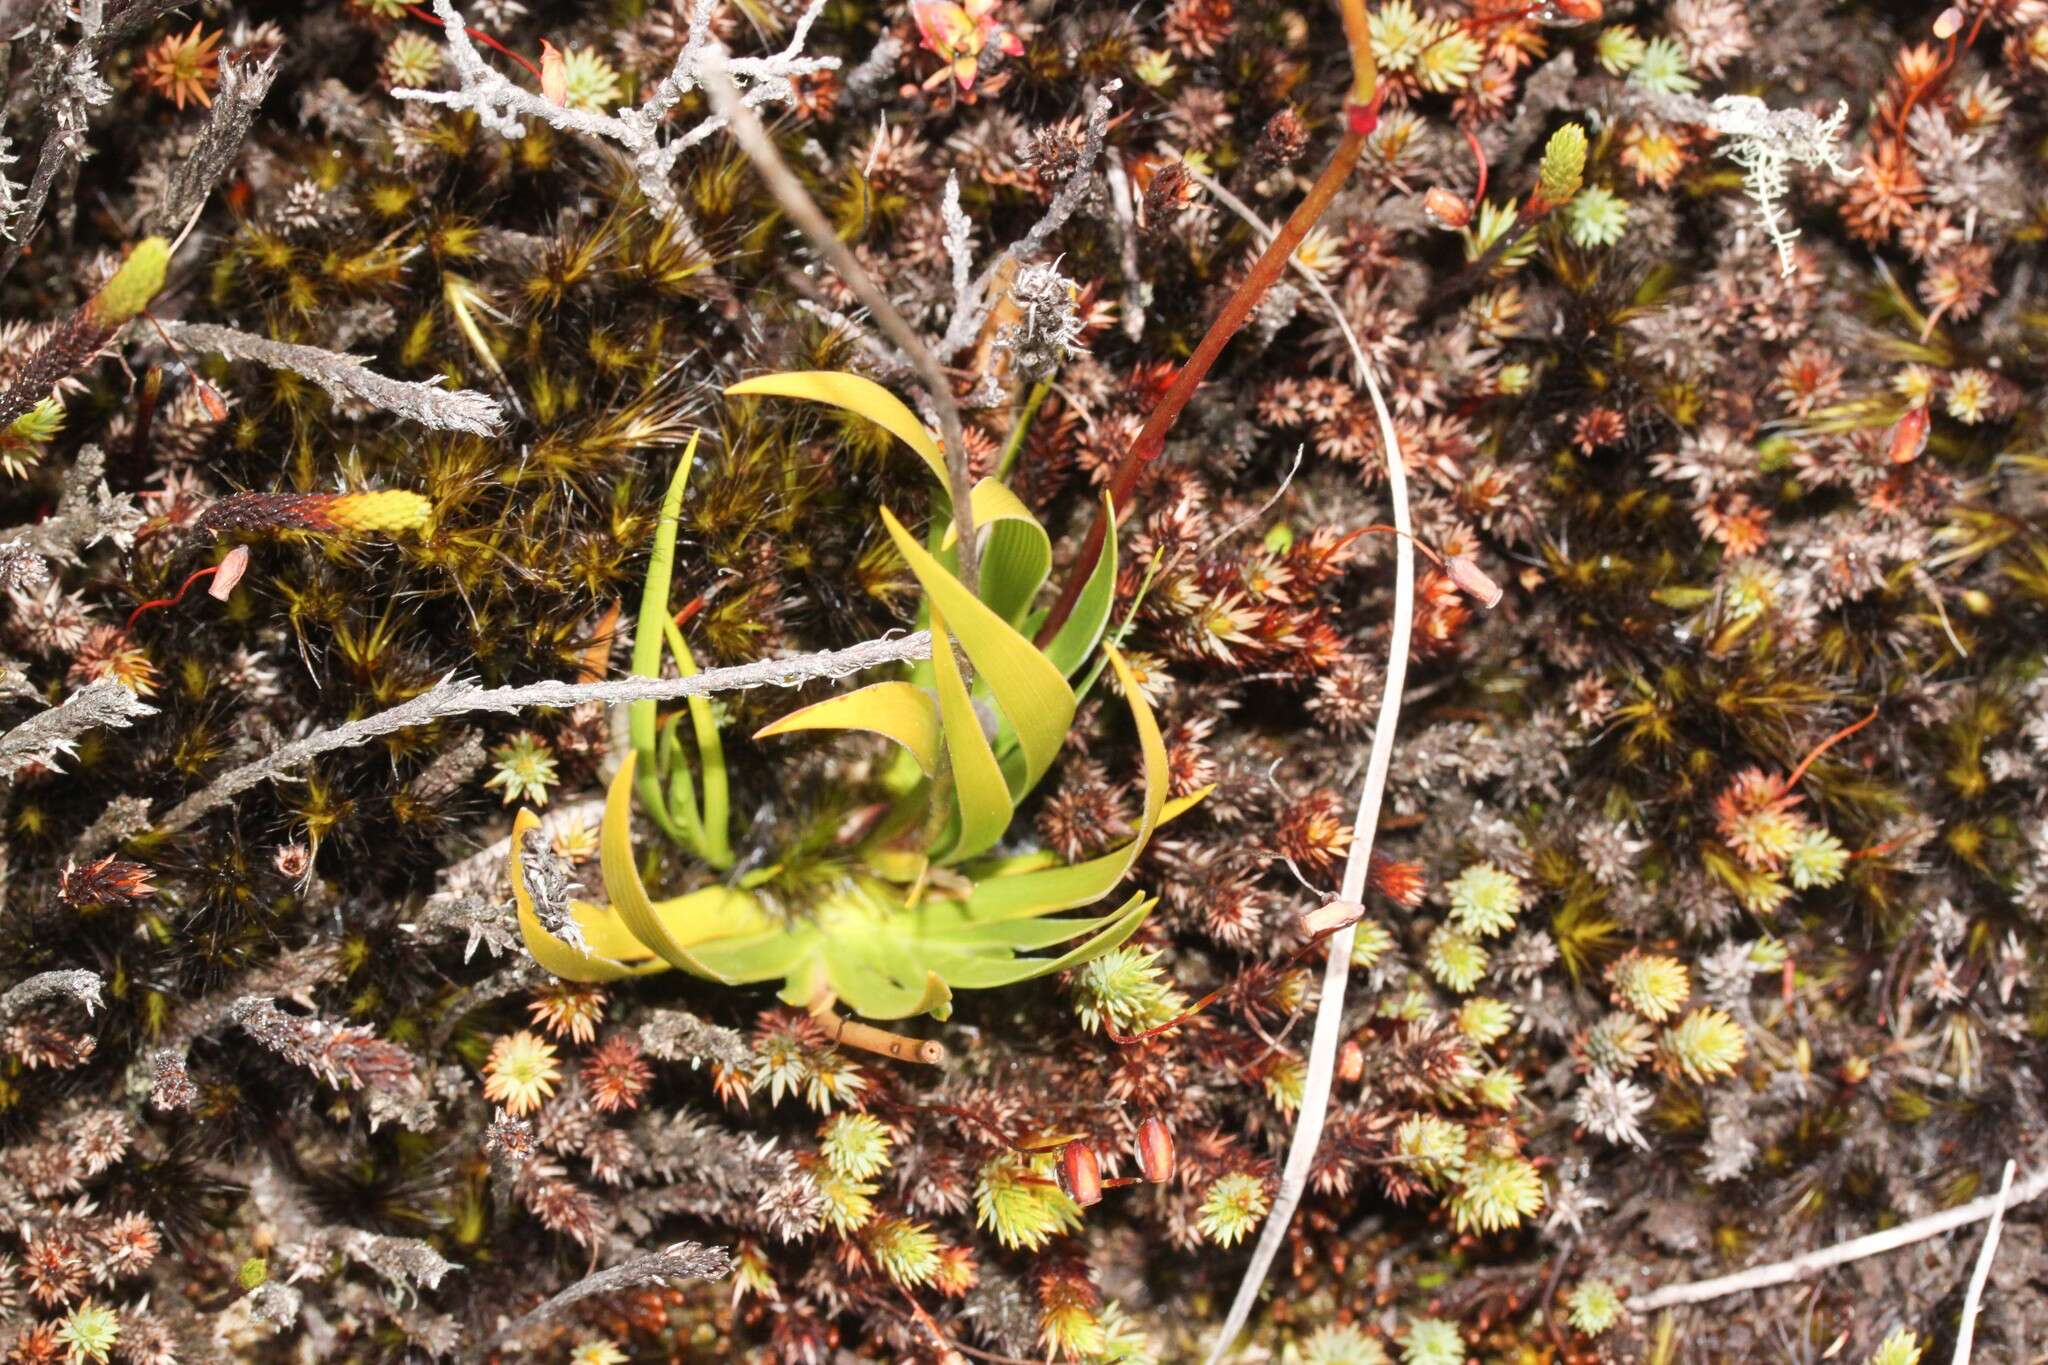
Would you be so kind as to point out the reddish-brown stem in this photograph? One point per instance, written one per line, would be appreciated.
(1940, 73)
(1211, 998)
(1478, 155)
(1361, 116)
(486, 39)
(184, 588)
(1830, 742)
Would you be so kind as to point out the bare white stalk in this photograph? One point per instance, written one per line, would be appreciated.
(454, 696)
(1322, 1057)
(1827, 1258)
(1974, 1300)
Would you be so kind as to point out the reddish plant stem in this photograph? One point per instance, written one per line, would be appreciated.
(1361, 116)
(1830, 742)
(1151, 439)
(1478, 155)
(184, 588)
(486, 39)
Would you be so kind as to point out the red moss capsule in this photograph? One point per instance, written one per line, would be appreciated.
(1331, 916)
(1350, 1062)
(1155, 1150)
(1909, 437)
(1083, 1173)
(229, 574)
(1474, 581)
(1446, 209)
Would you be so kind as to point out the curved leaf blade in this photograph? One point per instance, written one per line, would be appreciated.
(981, 793)
(897, 710)
(855, 394)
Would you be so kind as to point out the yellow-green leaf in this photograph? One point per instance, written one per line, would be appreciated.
(1017, 554)
(982, 796)
(854, 394)
(1060, 888)
(622, 878)
(1032, 693)
(614, 952)
(1071, 645)
(899, 710)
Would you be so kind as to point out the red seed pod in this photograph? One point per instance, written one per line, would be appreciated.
(1445, 209)
(210, 399)
(1350, 1062)
(1909, 437)
(1155, 1150)
(1083, 1173)
(554, 75)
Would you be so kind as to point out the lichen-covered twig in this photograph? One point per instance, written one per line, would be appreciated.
(500, 105)
(805, 213)
(47, 735)
(455, 696)
(87, 513)
(677, 1261)
(346, 377)
(968, 315)
(1827, 1258)
(243, 84)
(1966, 1328)
(81, 985)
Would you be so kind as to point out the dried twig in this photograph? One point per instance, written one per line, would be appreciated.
(1826, 1258)
(47, 735)
(1973, 1301)
(346, 377)
(81, 985)
(454, 696)
(87, 513)
(804, 212)
(677, 1261)
(243, 84)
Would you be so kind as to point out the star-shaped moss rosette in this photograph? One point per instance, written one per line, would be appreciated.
(923, 906)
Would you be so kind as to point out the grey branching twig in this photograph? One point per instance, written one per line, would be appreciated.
(348, 377)
(677, 1261)
(454, 696)
(81, 985)
(47, 735)
(1966, 1329)
(87, 512)
(1827, 1258)
(674, 1035)
(500, 105)
(805, 213)
(243, 84)
(974, 306)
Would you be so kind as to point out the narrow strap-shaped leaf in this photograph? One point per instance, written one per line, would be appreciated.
(715, 845)
(615, 953)
(622, 878)
(1076, 640)
(855, 394)
(972, 972)
(1018, 935)
(647, 641)
(902, 712)
(760, 957)
(1017, 555)
(1060, 888)
(980, 792)
(1033, 694)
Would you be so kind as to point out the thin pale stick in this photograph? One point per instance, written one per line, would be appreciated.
(1973, 1301)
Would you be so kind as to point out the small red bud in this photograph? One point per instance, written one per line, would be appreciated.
(1909, 437)
(1473, 580)
(1361, 119)
(1445, 209)
(210, 399)
(1083, 1173)
(1155, 1150)
(1350, 1062)
(228, 574)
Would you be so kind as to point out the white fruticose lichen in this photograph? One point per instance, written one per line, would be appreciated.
(500, 105)
(1764, 141)
(10, 193)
